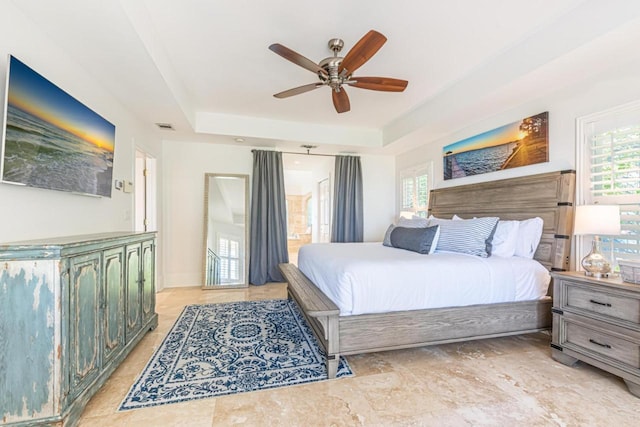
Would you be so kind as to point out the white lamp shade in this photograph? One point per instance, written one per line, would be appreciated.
(597, 219)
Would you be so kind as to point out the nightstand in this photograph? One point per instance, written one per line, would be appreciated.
(597, 321)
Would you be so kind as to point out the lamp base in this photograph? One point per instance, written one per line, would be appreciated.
(598, 275)
(595, 264)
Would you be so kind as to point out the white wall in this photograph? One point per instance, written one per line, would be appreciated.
(618, 85)
(378, 182)
(183, 205)
(30, 213)
(183, 223)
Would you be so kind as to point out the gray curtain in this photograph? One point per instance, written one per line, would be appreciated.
(347, 194)
(268, 235)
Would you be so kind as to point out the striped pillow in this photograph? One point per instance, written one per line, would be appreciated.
(467, 236)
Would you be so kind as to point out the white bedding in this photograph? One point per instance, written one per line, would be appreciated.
(371, 278)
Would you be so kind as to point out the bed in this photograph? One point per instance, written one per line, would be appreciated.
(549, 196)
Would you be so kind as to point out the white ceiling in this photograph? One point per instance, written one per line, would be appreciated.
(204, 66)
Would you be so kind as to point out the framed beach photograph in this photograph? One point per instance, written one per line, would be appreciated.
(520, 143)
(51, 140)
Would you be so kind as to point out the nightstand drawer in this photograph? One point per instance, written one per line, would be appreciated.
(594, 341)
(618, 307)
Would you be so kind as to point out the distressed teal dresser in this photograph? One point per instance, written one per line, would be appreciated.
(71, 309)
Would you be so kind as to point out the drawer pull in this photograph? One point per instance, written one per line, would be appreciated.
(606, 304)
(600, 344)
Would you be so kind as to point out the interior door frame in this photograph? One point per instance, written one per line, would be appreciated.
(145, 191)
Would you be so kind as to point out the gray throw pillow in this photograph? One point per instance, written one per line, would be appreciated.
(420, 240)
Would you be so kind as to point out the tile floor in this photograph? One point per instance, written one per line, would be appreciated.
(497, 382)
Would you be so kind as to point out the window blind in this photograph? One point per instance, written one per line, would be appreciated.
(612, 160)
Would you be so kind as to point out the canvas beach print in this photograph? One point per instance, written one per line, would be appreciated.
(51, 140)
(520, 143)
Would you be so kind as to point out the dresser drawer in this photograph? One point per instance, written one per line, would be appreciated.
(617, 307)
(602, 343)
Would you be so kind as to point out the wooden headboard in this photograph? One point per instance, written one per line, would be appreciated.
(549, 196)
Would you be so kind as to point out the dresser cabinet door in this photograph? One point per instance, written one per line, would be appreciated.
(113, 305)
(148, 280)
(85, 328)
(29, 379)
(132, 285)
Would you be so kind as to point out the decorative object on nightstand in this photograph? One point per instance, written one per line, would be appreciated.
(596, 220)
(597, 321)
(629, 270)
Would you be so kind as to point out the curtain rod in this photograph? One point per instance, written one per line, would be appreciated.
(308, 153)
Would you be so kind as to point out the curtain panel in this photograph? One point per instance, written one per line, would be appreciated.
(347, 207)
(268, 233)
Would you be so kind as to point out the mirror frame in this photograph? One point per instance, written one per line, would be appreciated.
(207, 177)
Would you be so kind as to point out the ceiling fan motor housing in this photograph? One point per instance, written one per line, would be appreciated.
(333, 78)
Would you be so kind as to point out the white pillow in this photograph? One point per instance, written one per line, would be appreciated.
(529, 234)
(454, 217)
(415, 222)
(505, 239)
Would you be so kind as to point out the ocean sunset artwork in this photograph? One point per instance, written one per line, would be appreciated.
(520, 143)
(51, 140)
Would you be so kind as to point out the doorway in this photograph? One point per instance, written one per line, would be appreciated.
(324, 210)
(145, 192)
(307, 183)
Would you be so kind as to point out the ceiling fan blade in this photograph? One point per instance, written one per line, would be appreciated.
(341, 101)
(296, 58)
(298, 90)
(362, 51)
(386, 84)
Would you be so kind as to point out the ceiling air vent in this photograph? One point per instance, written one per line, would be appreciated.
(165, 126)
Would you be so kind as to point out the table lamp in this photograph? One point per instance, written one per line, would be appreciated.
(596, 220)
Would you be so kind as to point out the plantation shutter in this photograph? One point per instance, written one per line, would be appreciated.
(612, 159)
(415, 191)
(407, 193)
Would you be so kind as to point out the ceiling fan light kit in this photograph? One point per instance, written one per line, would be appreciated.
(336, 71)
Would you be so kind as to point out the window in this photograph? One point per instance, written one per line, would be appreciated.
(609, 156)
(414, 185)
(229, 252)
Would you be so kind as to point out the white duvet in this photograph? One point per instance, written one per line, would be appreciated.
(371, 278)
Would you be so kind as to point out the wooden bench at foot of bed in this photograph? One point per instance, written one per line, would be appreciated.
(321, 313)
(367, 333)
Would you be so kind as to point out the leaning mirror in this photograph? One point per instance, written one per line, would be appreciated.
(226, 200)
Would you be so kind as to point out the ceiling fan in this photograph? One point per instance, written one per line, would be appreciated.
(336, 71)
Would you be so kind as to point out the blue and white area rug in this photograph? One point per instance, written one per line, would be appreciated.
(218, 349)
